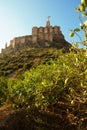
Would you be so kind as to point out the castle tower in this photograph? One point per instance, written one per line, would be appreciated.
(34, 34)
(48, 31)
(13, 43)
(6, 45)
(48, 22)
(41, 33)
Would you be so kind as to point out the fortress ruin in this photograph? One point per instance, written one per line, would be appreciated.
(46, 34)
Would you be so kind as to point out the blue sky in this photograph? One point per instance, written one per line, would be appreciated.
(17, 17)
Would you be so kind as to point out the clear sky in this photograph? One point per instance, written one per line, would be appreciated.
(17, 17)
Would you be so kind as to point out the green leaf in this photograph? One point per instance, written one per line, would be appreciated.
(81, 7)
(85, 23)
(77, 9)
(84, 14)
(84, 2)
(71, 34)
(76, 29)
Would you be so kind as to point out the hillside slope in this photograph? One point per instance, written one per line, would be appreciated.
(17, 61)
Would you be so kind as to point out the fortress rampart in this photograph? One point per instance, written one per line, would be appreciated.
(20, 40)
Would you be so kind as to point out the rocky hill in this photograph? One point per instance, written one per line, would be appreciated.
(19, 61)
(28, 51)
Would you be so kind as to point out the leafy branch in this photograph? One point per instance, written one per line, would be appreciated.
(82, 11)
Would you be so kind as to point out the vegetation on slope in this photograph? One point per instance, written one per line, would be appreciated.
(57, 87)
(24, 59)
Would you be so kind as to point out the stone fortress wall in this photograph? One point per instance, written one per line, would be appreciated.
(47, 33)
(20, 40)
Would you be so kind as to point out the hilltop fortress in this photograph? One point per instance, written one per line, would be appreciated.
(46, 36)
